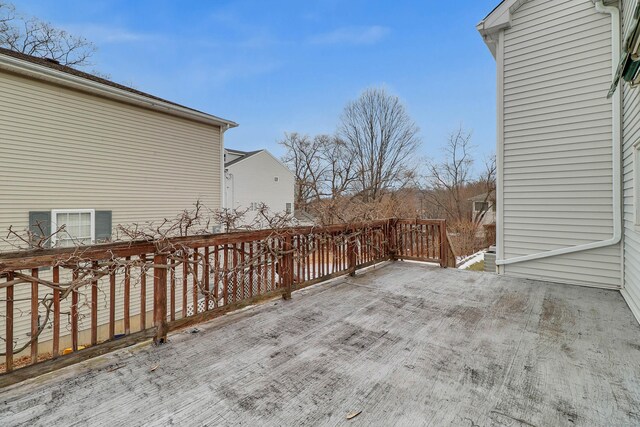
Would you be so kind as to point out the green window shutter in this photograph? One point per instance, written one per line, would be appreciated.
(40, 227)
(103, 226)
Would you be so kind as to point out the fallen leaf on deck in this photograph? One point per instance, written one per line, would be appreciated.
(154, 368)
(352, 415)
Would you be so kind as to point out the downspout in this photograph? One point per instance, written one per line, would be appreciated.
(223, 184)
(616, 152)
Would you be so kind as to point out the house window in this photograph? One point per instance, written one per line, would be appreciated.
(481, 206)
(288, 208)
(79, 227)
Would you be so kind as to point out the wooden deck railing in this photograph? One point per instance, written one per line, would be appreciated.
(66, 305)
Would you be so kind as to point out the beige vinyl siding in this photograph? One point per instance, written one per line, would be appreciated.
(557, 142)
(631, 135)
(64, 149)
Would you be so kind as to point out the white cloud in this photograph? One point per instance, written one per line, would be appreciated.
(352, 36)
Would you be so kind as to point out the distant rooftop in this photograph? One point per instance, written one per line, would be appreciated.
(243, 155)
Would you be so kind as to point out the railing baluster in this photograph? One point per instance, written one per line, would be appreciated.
(143, 292)
(94, 307)
(194, 268)
(74, 312)
(35, 318)
(251, 260)
(185, 280)
(8, 359)
(314, 250)
(127, 296)
(205, 272)
(112, 303)
(259, 271)
(216, 275)
(172, 269)
(225, 277)
(242, 271)
(234, 273)
(272, 258)
(55, 352)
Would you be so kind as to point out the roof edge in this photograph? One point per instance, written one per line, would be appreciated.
(249, 154)
(497, 20)
(40, 72)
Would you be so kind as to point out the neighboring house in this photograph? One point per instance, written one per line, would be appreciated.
(568, 157)
(82, 151)
(484, 208)
(89, 153)
(255, 178)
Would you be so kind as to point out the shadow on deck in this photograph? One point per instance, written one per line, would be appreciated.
(405, 344)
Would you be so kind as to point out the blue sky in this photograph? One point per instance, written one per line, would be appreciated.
(280, 66)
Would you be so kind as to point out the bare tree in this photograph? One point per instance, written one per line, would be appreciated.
(448, 178)
(303, 158)
(381, 139)
(338, 172)
(321, 164)
(487, 181)
(35, 37)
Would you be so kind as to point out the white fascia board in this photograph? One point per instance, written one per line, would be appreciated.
(36, 71)
(496, 21)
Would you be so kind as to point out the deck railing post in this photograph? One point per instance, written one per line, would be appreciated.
(287, 266)
(352, 257)
(392, 240)
(443, 243)
(160, 297)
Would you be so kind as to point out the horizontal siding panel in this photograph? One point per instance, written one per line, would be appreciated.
(528, 24)
(549, 121)
(560, 239)
(560, 218)
(531, 115)
(539, 46)
(556, 54)
(584, 183)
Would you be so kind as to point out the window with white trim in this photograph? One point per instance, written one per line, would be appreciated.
(79, 227)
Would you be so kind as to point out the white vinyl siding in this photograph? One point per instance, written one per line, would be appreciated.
(63, 148)
(557, 188)
(631, 137)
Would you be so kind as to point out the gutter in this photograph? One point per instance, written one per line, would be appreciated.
(18, 66)
(616, 154)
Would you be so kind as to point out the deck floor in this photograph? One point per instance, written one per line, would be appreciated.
(405, 344)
